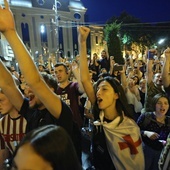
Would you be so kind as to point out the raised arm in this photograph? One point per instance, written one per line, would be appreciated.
(84, 71)
(123, 79)
(149, 71)
(76, 73)
(9, 88)
(26, 64)
(166, 68)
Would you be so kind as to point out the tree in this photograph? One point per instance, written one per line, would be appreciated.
(111, 32)
(133, 29)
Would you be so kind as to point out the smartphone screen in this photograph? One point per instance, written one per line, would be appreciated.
(150, 55)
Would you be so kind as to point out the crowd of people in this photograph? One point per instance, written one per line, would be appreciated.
(44, 108)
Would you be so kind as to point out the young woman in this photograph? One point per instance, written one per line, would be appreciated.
(48, 147)
(116, 138)
(155, 127)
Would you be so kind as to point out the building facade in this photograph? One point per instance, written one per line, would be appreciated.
(50, 26)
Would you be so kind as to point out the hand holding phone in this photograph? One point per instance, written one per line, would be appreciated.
(151, 54)
(118, 68)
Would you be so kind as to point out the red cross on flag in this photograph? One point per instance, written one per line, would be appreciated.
(124, 143)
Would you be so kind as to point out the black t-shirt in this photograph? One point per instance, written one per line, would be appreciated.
(104, 63)
(36, 118)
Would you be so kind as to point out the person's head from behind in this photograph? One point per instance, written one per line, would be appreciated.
(61, 72)
(110, 95)
(102, 75)
(160, 104)
(5, 105)
(46, 148)
(34, 101)
(103, 70)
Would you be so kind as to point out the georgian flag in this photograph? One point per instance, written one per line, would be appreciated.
(124, 143)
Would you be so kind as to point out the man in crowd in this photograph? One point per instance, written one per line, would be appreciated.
(104, 62)
(153, 80)
(69, 91)
(12, 124)
(47, 107)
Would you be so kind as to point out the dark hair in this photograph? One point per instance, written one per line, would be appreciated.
(103, 75)
(121, 103)
(62, 64)
(50, 81)
(133, 77)
(54, 145)
(156, 98)
(42, 65)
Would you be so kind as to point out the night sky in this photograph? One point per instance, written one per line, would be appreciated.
(146, 10)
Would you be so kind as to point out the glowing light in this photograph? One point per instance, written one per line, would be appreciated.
(42, 28)
(161, 41)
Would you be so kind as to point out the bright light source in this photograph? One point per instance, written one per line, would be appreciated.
(161, 41)
(42, 29)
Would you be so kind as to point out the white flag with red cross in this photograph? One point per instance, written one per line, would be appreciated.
(124, 143)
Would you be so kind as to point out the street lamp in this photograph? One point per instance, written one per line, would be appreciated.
(161, 41)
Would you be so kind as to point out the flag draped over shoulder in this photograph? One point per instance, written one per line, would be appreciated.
(124, 143)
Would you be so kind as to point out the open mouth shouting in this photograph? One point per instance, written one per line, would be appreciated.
(31, 97)
(162, 110)
(99, 100)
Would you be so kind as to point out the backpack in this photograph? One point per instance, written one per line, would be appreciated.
(101, 158)
(148, 119)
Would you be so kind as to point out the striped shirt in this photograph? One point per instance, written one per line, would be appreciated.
(12, 130)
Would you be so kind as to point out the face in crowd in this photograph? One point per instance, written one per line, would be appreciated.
(106, 96)
(34, 102)
(46, 148)
(27, 158)
(103, 54)
(61, 74)
(160, 104)
(5, 104)
(157, 79)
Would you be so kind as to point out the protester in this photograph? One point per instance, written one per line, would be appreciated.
(113, 126)
(155, 127)
(153, 81)
(12, 124)
(166, 72)
(69, 91)
(48, 147)
(104, 62)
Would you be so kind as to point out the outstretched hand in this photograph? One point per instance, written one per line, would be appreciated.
(6, 18)
(83, 33)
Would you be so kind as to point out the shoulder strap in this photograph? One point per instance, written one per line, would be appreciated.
(147, 119)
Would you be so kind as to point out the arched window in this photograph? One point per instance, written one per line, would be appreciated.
(25, 32)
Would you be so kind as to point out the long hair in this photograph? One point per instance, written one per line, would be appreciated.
(121, 103)
(54, 145)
